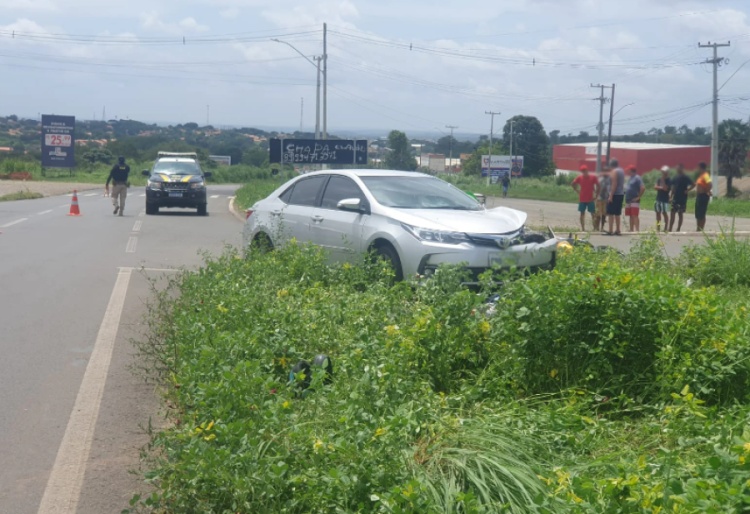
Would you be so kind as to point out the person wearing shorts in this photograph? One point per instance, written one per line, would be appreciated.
(661, 206)
(681, 185)
(633, 192)
(703, 195)
(600, 213)
(616, 197)
(587, 187)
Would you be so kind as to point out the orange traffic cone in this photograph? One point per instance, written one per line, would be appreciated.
(74, 210)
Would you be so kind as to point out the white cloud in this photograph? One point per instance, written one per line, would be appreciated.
(28, 6)
(336, 12)
(152, 21)
(229, 13)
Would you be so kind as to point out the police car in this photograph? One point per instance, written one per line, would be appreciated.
(176, 180)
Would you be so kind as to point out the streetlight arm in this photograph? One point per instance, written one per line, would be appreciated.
(621, 108)
(296, 50)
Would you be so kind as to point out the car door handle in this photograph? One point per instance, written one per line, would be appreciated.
(275, 213)
(317, 219)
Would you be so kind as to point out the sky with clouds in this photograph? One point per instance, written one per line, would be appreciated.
(415, 65)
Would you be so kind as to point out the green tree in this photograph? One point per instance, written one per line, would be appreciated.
(734, 141)
(399, 156)
(256, 156)
(531, 141)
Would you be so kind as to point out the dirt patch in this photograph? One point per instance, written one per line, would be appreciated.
(43, 188)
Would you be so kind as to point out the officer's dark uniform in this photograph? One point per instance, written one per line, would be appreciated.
(119, 177)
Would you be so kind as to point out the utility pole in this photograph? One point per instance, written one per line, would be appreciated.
(492, 129)
(317, 103)
(611, 115)
(510, 171)
(325, 81)
(600, 127)
(716, 61)
(450, 152)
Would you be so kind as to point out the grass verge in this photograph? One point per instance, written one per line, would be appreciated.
(613, 384)
(20, 195)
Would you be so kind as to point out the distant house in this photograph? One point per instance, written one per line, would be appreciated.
(6, 149)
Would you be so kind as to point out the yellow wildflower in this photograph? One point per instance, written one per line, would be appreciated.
(282, 293)
(746, 447)
(379, 432)
(485, 327)
(553, 373)
(391, 330)
(286, 404)
(222, 309)
(317, 445)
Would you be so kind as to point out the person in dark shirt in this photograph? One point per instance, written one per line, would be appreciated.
(681, 185)
(119, 177)
(661, 206)
(506, 184)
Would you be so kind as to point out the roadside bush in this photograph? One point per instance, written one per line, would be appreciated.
(724, 260)
(610, 385)
(618, 329)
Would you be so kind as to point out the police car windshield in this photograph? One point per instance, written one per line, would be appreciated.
(177, 168)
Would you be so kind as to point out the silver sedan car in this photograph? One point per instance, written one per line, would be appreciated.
(415, 221)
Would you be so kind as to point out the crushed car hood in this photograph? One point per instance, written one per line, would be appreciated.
(501, 220)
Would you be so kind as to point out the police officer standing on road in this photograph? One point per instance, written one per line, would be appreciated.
(119, 177)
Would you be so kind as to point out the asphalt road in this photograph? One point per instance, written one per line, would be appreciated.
(72, 297)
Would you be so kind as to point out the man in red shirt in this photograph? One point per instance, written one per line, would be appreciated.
(587, 187)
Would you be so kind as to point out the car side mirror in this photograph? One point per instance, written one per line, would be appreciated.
(353, 205)
(146, 173)
(207, 174)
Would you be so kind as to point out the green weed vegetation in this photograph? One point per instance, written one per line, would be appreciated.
(610, 385)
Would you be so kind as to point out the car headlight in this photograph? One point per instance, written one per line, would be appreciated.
(436, 236)
(197, 185)
(153, 184)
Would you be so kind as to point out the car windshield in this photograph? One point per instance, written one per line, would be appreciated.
(419, 193)
(177, 168)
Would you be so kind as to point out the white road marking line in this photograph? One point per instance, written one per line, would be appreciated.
(44, 212)
(64, 205)
(16, 222)
(142, 213)
(161, 270)
(137, 226)
(142, 195)
(90, 194)
(66, 478)
(132, 243)
(214, 196)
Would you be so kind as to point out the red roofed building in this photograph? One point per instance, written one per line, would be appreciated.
(644, 156)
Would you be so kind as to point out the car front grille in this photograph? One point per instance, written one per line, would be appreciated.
(176, 186)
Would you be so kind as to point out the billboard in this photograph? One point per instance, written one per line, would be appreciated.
(58, 141)
(225, 160)
(318, 151)
(502, 165)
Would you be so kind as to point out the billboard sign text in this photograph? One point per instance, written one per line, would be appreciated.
(58, 141)
(318, 151)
